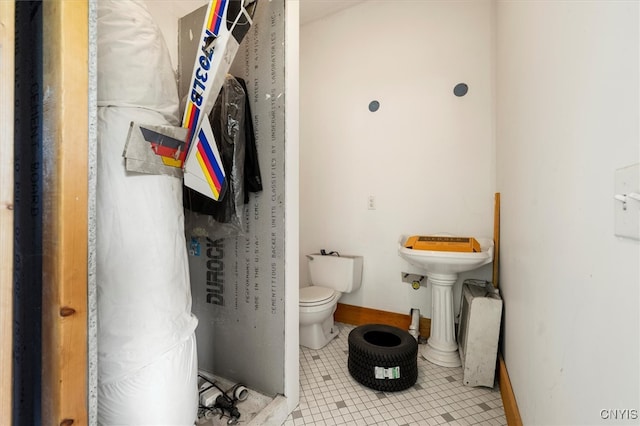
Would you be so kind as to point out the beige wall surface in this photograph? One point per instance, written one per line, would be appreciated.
(567, 118)
(426, 156)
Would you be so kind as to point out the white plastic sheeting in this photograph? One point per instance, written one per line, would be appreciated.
(147, 364)
(134, 68)
(161, 393)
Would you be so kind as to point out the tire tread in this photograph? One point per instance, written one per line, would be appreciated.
(365, 356)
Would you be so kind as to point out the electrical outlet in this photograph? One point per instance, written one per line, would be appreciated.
(372, 202)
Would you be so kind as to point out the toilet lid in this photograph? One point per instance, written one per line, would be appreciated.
(315, 295)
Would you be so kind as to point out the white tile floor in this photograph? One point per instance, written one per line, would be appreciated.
(330, 396)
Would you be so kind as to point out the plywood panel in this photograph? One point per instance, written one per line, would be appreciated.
(65, 107)
(7, 42)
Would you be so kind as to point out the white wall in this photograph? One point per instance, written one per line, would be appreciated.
(426, 155)
(567, 117)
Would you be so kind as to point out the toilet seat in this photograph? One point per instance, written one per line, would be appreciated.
(315, 295)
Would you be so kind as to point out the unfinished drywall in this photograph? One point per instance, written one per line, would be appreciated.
(238, 282)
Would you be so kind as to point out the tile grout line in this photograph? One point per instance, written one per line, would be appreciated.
(330, 396)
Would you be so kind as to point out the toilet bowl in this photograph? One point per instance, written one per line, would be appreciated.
(317, 306)
(330, 276)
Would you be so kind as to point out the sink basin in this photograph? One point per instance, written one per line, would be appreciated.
(442, 269)
(447, 262)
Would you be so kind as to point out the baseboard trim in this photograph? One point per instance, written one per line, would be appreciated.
(511, 411)
(357, 315)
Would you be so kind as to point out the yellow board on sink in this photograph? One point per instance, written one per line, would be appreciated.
(443, 243)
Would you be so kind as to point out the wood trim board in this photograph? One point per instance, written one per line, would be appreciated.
(65, 212)
(357, 315)
(511, 411)
(7, 77)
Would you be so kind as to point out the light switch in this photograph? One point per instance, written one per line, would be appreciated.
(627, 205)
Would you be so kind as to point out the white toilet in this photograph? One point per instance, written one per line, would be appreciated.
(330, 277)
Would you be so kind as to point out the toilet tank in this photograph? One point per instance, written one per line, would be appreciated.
(341, 273)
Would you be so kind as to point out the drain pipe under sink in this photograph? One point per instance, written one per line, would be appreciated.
(414, 327)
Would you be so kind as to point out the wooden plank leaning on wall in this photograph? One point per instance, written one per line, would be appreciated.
(496, 240)
(506, 391)
(7, 43)
(65, 217)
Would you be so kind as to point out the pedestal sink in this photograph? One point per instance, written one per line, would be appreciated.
(442, 269)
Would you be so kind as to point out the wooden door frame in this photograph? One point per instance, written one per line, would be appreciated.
(7, 82)
(65, 211)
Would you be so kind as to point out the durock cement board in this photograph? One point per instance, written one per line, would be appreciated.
(238, 282)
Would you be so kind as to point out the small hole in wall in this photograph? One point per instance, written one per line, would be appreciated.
(373, 106)
(461, 89)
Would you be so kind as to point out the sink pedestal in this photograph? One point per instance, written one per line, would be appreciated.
(441, 348)
(442, 269)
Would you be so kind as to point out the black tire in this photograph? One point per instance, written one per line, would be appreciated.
(386, 350)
